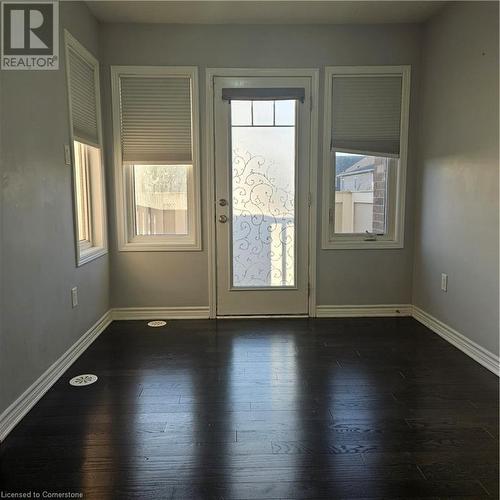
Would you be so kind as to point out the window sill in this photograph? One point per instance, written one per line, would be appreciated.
(134, 246)
(361, 245)
(90, 254)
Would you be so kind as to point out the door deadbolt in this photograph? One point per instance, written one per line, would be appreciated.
(222, 202)
(222, 219)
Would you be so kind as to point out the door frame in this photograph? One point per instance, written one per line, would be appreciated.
(210, 75)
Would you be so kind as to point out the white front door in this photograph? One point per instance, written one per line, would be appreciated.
(262, 145)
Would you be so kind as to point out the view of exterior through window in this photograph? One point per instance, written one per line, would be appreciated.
(160, 194)
(82, 184)
(361, 186)
(263, 193)
(89, 200)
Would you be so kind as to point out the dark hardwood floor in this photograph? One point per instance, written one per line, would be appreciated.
(264, 409)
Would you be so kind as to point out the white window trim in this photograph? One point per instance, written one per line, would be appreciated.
(86, 252)
(128, 242)
(395, 237)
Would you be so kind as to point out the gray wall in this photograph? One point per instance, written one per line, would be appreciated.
(457, 224)
(344, 277)
(37, 243)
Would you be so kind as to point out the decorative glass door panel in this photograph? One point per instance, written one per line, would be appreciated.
(263, 193)
(262, 144)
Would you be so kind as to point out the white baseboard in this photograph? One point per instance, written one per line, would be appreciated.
(23, 404)
(265, 316)
(469, 347)
(150, 313)
(363, 311)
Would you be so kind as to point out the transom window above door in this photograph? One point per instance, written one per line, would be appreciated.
(263, 113)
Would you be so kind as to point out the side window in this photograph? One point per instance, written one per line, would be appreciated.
(366, 127)
(156, 158)
(82, 72)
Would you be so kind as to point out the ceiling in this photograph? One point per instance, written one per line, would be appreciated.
(263, 12)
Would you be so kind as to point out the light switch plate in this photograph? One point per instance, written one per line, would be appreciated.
(444, 282)
(67, 154)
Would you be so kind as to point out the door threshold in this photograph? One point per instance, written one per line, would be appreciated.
(262, 316)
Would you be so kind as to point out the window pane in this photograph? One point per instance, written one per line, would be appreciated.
(263, 112)
(263, 206)
(161, 199)
(82, 191)
(284, 112)
(241, 112)
(361, 193)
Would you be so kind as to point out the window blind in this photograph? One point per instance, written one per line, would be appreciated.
(82, 82)
(155, 120)
(366, 114)
(263, 94)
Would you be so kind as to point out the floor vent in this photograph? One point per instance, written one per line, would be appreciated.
(86, 379)
(157, 323)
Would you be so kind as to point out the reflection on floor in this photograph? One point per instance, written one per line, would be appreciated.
(264, 409)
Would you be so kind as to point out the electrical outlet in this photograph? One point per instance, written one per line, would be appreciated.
(444, 282)
(74, 296)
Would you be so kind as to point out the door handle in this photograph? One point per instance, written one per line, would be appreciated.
(222, 219)
(222, 202)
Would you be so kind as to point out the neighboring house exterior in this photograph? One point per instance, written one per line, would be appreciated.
(358, 177)
(360, 196)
